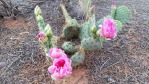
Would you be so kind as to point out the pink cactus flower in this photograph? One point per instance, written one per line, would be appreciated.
(108, 29)
(56, 53)
(42, 37)
(61, 68)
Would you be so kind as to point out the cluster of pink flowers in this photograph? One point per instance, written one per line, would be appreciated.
(108, 29)
(61, 67)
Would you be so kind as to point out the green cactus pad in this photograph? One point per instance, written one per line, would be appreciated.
(85, 30)
(41, 25)
(68, 47)
(48, 30)
(113, 12)
(71, 28)
(65, 13)
(40, 21)
(102, 39)
(118, 25)
(39, 18)
(99, 22)
(37, 11)
(122, 13)
(77, 58)
(91, 44)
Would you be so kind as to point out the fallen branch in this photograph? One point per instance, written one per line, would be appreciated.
(5, 4)
(9, 10)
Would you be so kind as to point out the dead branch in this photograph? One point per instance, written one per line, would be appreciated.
(9, 10)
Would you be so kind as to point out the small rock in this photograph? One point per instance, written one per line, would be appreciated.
(2, 64)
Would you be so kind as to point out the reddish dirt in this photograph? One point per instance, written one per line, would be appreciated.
(14, 23)
(78, 77)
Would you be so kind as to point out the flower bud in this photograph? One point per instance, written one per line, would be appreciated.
(98, 32)
(94, 29)
(42, 37)
(113, 6)
(37, 11)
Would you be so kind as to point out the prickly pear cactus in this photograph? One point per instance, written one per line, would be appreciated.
(91, 44)
(78, 58)
(99, 22)
(68, 47)
(85, 30)
(121, 13)
(39, 18)
(71, 29)
(46, 30)
(89, 32)
(113, 10)
(49, 44)
(118, 25)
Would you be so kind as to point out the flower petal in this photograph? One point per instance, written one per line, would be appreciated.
(51, 69)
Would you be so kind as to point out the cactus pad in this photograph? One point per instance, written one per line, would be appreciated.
(118, 25)
(77, 58)
(71, 28)
(122, 13)
(91, 44)
(39, 18)
(99, 22)
(68, 47)
(85, 30)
